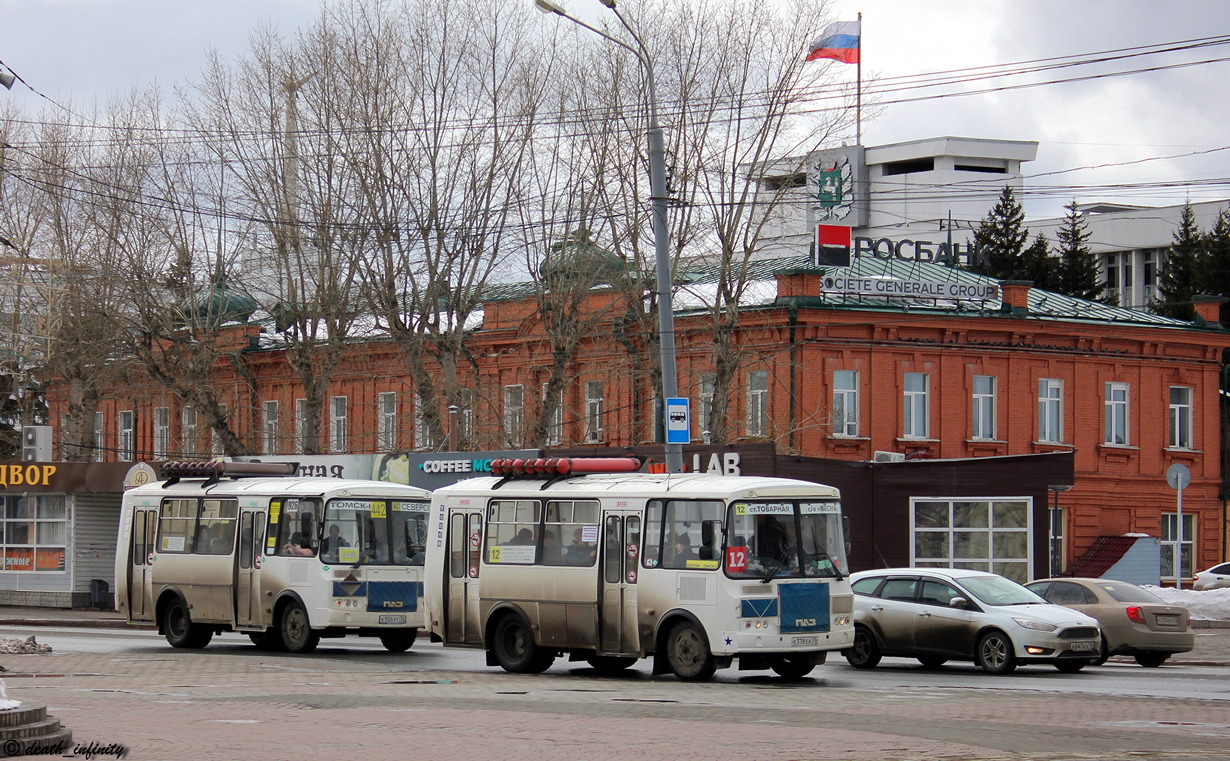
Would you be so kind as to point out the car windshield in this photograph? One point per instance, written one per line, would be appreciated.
(782, 538)
(996, 590)
(1124, 592)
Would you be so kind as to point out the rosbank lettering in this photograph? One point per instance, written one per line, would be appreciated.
(456, 466)
(26, 475)
(917, 250)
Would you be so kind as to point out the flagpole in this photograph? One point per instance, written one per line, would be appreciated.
(858, 88)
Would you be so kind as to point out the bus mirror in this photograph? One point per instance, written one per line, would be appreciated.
(706, 533)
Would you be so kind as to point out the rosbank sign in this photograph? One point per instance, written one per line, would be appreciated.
(963, 254)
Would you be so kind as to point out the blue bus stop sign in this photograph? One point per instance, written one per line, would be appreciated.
(678, 421)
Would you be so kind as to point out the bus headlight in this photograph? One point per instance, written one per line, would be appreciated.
(842, 621)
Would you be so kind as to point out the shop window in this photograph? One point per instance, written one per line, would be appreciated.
(980, 534)
(33, 532)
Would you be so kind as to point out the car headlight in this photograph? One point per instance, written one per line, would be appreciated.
(1041, 626)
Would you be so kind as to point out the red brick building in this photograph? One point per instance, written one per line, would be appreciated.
(886, 356)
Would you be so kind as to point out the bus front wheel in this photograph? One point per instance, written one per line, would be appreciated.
(179, 629)
(296, 630)
(398, 641)
(515, 650)
(687, 652)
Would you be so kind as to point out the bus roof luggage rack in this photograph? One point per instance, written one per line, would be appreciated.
(553, 469)
(212, 472)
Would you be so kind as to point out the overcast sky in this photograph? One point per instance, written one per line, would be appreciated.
(82, 50)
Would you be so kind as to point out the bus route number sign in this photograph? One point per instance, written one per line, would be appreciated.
(736, 559)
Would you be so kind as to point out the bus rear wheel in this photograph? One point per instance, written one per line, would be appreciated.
(179, 629)
(398, 641)
(515, 650)
(296, 630)
(792, 666)
(687, 652)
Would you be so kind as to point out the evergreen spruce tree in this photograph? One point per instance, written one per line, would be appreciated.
(1001, 239)
(1078, 269)
(1184, 260)
(1213, 277)
(1040, 268)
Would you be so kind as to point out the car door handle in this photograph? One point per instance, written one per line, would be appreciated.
(925, 614)
(877, 608)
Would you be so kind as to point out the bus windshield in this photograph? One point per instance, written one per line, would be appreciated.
(374, 532)
(785, 538)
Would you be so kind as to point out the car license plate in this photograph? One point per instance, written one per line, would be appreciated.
(1167, 619)
(804, 641)
(388, 619)
(1082, 646)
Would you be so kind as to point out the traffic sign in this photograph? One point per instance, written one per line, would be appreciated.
(1178, 476)
(678, 421)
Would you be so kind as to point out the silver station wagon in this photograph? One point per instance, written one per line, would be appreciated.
(942, 614)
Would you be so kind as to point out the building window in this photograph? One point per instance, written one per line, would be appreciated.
(99, 436)
(1056, 540)
(162, 432)
(704, 394)
(594, 404)
(758, 403)
(914, 419)
(1180, 417)
(514, 415)
(126, 442)
(422, 431)
(301, 413)
(1152, 274)
(269, 427)
(984, 407)
(465, 418)
(33, 531)
(982, 535)
(386, 428)
(216, 448)
(1117, 414)
(845, 403)
(1171, 539)
(188, 431)
(1050, 410)
(555, 424)
(337, 424)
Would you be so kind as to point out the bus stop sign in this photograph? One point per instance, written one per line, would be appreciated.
(678, 421)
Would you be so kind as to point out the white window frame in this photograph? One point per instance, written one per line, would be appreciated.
(555, 426)
(1181, 417)
(1050, 410)
(1117, 429)
(215, 441)
(270, 419)
(100, 436)
(984, 407)
(339, 433)
(422, 432)
(595, 410)
(386, 424)
(162, 432)
(188, 432)
(514, 414)
(845, 403)
(301, 413)
(758, 403)
(916, 405)
(44, 518)
(705, 395)
(126, 436)
(1169, 539)
(1016, 567)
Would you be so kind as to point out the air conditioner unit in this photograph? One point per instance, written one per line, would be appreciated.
(36, 443)
(888, 457)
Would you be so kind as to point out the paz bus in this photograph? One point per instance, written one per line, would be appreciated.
(589, 559)
(245, 547)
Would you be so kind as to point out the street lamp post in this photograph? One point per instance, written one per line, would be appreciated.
(657, 198)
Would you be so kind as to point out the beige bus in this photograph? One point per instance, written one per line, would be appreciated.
(555, 558)
(227, 546)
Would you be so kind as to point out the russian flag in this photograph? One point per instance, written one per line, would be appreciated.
(839, 42)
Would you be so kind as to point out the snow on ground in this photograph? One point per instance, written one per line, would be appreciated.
(1209, 605)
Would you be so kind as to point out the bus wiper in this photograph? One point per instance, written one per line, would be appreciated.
(821, 555)
(778, 562)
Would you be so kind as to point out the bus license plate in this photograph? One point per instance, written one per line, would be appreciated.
(804, 641)
(387, 619)
(1079, 646)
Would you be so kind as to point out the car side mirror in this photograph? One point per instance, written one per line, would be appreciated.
(958, 602)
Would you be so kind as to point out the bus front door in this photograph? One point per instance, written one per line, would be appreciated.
(140, 565)
(248, 568)
(465, 540)
(621, 543)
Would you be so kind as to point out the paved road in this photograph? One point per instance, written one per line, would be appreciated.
(230, 702)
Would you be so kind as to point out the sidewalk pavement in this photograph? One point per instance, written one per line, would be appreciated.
(1212, 637)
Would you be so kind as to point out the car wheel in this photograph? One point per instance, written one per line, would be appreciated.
(296, 629)
(611, 664)
(1103, 653)
(687, 652)
(792, 666)
(515, 650)
(995, 654)
(179, 629)
(1152, 660)
(399, 641)
(864, 653)
(932, 661)
(1071, 667)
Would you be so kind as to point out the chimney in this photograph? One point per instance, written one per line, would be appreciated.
(1208, 309)
(1014, 296)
